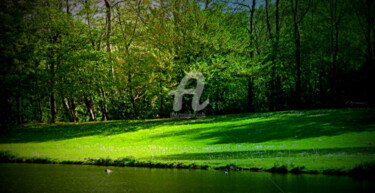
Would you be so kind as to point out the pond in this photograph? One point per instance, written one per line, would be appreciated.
(83, 178)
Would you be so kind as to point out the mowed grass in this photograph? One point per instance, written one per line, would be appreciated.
(314, 140)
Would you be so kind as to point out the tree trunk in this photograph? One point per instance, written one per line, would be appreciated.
(73, 108)
(250, 78)
(298, 66)
(109, 31)
(67, 109)
(250, 105)
(277, 23)
(18, 101)
(161, 108)
(70, 107)
(90, 108)
(268, 21)
(251, 26)
(297, 41)
(370, 66)
(41, 118)
(103, 105)
(53, 107)
(276, 83)
(132, 99)
(206, 3)
(67, 7)
(275, 79)
(335, 47)
(52, 99)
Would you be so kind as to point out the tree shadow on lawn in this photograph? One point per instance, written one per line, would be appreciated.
(288, 124)
(62, 131)
(268, 154)
(296, 126)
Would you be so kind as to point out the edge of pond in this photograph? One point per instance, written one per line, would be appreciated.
(366, 170)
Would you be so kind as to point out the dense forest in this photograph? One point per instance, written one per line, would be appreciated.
(86, 60)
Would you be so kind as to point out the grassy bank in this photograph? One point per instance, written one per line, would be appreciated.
(323, 141)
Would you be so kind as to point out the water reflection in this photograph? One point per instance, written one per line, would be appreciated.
(80, 178)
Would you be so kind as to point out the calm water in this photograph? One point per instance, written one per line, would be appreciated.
(79, 178)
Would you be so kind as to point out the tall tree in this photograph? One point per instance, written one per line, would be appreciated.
(298, 13)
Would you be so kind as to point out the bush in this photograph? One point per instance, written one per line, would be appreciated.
(7, 156)
(365, 170)
(278, 169)
(104, 161)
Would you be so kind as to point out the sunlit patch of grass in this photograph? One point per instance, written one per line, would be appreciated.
(307, 141)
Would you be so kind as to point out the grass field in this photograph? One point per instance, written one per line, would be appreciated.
(311, 141)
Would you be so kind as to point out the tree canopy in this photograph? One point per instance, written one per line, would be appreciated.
(86, 60)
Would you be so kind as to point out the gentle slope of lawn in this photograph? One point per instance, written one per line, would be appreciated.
(316, 140)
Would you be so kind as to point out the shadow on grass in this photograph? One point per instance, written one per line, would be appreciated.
(286, 126)
(62, 131)
(229, 155)
(266, 127)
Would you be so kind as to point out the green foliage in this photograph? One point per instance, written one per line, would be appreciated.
(64, 60)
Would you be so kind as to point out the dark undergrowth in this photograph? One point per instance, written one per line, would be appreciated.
(8, 157)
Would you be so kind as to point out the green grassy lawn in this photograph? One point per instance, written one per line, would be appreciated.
(315, 140)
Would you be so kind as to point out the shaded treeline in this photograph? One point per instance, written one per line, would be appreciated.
(84, 60)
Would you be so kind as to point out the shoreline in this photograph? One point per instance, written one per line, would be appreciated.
(366, 170)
